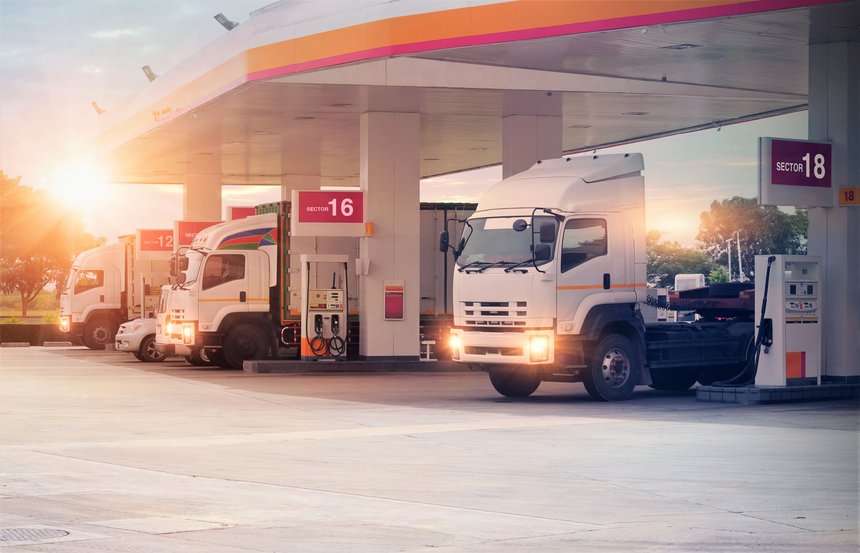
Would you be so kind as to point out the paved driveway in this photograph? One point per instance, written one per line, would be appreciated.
(103, 453)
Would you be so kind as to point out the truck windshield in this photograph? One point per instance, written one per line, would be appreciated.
(195, 261)
(162, 301)
(70, 282)
(495, 241)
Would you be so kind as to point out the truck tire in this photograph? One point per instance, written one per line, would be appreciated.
(99, 331)
(148, 353)
(217, 357)
(514, 380)
(673, 380)
(245, 342)
(614, 370)
(198, 358)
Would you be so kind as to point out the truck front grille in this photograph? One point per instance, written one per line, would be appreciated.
(496, 313)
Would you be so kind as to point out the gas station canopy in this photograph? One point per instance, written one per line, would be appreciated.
(283, 92)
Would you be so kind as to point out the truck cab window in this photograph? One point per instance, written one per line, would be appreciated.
(223, 268)
(88, 280)
(583, 239)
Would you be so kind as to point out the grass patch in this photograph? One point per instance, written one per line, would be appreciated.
(45, 308)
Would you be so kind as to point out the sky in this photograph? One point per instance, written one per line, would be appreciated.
(58, 56)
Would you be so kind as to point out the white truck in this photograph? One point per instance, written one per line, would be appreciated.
(115, 283)
(550, 280)
(238, 291)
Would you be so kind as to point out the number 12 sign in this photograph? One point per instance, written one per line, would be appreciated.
(327, 213)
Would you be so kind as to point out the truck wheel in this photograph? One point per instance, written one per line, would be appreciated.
(515, 380)
(216, 356)
(614, 369)
(244, 342)
(673, 380)
(98, 332)
(198, 358)
(148, 353)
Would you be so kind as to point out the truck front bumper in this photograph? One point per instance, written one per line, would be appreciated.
(532, 347)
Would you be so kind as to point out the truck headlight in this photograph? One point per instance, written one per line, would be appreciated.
(454, 345)
(187, 334)
(65, 324)
(538, 348)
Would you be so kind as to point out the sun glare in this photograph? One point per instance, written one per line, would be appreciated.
(81, 185)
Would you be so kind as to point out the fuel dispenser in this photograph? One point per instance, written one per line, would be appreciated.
(790, 329)
(325, 288)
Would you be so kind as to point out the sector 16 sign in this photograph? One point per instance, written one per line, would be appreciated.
(330, 206)
(327, 213)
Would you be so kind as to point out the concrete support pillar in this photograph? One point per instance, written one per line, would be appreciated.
(303, 172)
(531, 130)
(201, 198)
(298, 182)
(389, 176)
(834, 232)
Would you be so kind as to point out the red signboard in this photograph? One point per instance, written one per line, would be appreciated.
(800, 163)
(187, 230)
(393, 292)
(156, 240)
(237, 212)
(330, 206)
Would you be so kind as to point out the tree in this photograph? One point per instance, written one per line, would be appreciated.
(762, 230)
(669, 258)
(38, 240)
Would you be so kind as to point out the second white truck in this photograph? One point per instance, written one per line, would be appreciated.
(238, 291)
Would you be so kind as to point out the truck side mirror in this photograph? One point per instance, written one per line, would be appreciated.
(542, 252)
(183, 263)
(443, 241)
(460, 247)
(547, 233)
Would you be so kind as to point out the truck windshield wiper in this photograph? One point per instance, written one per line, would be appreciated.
(494, 264)
(475, 264)
(516, 266)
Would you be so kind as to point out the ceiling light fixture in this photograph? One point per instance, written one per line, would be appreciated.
(147, 70)
(226, 23)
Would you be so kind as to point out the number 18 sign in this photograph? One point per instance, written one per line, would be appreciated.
(794, 172)
(327, 213)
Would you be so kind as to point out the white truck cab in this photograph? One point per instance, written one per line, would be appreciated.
(224, 281)
(551, 272)
(110, 285)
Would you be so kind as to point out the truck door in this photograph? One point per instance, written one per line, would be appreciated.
(585, 268)
(224, 288)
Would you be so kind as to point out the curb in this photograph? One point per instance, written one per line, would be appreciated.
(15, 345)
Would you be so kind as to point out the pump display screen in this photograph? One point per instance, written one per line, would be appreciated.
(499, 241)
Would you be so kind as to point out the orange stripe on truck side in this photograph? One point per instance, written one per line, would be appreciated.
(600, 286)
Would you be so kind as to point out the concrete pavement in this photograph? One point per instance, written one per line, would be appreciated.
(126, 456)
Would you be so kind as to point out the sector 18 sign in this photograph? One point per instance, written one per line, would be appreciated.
(794, 172)
(799, 163)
